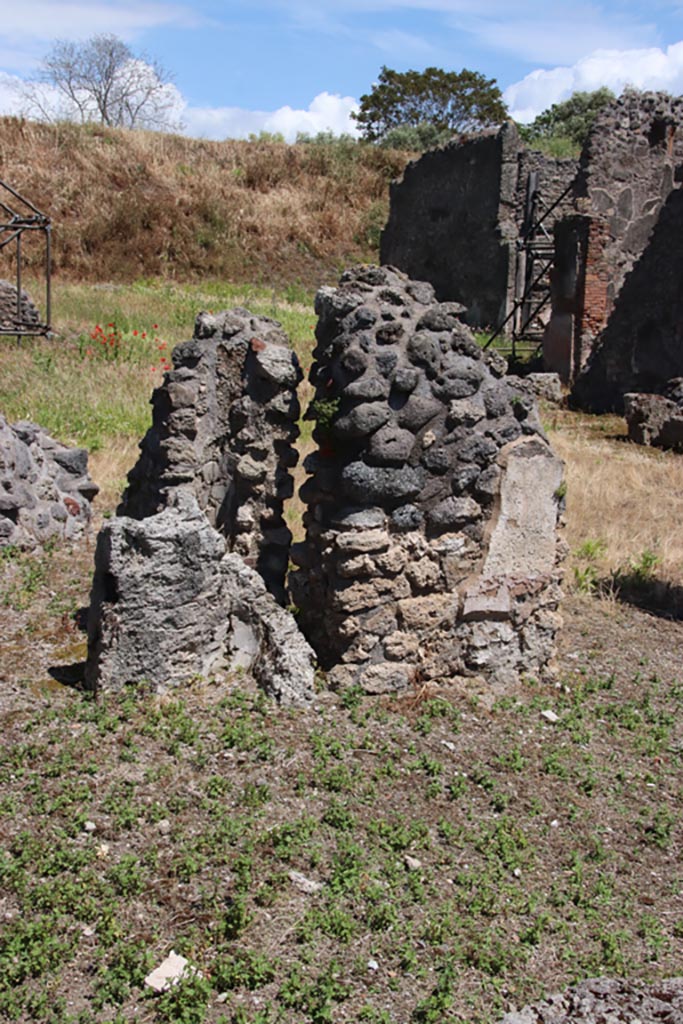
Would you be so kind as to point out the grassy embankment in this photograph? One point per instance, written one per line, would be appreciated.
(126, 205)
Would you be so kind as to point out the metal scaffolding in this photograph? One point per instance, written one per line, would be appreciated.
(535, 251)
(19, 215)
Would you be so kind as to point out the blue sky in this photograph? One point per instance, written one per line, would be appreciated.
(302, 65)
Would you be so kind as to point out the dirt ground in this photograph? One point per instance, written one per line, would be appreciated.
(439, 856)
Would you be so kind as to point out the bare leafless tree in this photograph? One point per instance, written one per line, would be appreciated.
(102, 80)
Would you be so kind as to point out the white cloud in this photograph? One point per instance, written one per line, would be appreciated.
(531, 30)
(326, 112)
(560, 38)
(46, 19)
(650, 68)
(29, 27)
(10, 91)
(401, 45)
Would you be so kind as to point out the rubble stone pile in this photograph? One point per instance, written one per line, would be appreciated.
(223, 425)
(657, 419)
(431, 544)
(45, 489)
(170, 604)
(9, 315)
(607, 1000)
(433, 499)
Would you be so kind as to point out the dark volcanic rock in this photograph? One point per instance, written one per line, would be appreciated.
(45, 489)
(450, 502)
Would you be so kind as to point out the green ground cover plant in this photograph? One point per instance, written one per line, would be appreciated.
(425, 907)
(436, 856)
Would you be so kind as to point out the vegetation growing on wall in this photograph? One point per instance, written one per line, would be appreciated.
(562, 129)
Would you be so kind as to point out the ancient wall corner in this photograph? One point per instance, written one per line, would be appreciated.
(431, 547)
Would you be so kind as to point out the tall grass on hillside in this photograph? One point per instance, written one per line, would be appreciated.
(126, 204)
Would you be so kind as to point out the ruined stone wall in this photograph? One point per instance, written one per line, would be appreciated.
(45, 488)
(444, 225)
(554, 177)
(431, 548)
(27, 313)
(431, 544)
(170, 605)
(642, 346)
(632, 161)
(455, 218)
(179, 590)
(223, 425)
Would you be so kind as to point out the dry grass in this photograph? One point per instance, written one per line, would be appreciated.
(132, 204)
(626, 496)
(110, 468)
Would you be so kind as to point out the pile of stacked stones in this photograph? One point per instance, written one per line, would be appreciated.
(45, 489)
(13, 314)
(656, 419)
(431, 545)
(607, 1000)
(223, 424)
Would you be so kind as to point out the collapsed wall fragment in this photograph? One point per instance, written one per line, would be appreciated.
(171, 604)
(656, 419)
(431, 544)
(223, 425)
(187, 577)
(45, 489)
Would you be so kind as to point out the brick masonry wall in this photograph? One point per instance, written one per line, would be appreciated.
(641, 348)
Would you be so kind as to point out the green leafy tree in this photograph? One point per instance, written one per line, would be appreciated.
(569, 121)
(451, 101)
(418, 137)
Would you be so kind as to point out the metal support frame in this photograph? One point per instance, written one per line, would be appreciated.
(535, 256)
(19, 215)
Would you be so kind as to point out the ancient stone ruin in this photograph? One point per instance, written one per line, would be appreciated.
(223, 426)
(170, 604)
(505, 230)
(186, 573)
(23, 312)
(460, 217)
(656, 419)
(630, 165)
(431, 545)
(641, 346)
(431, 534)
(45, 489)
